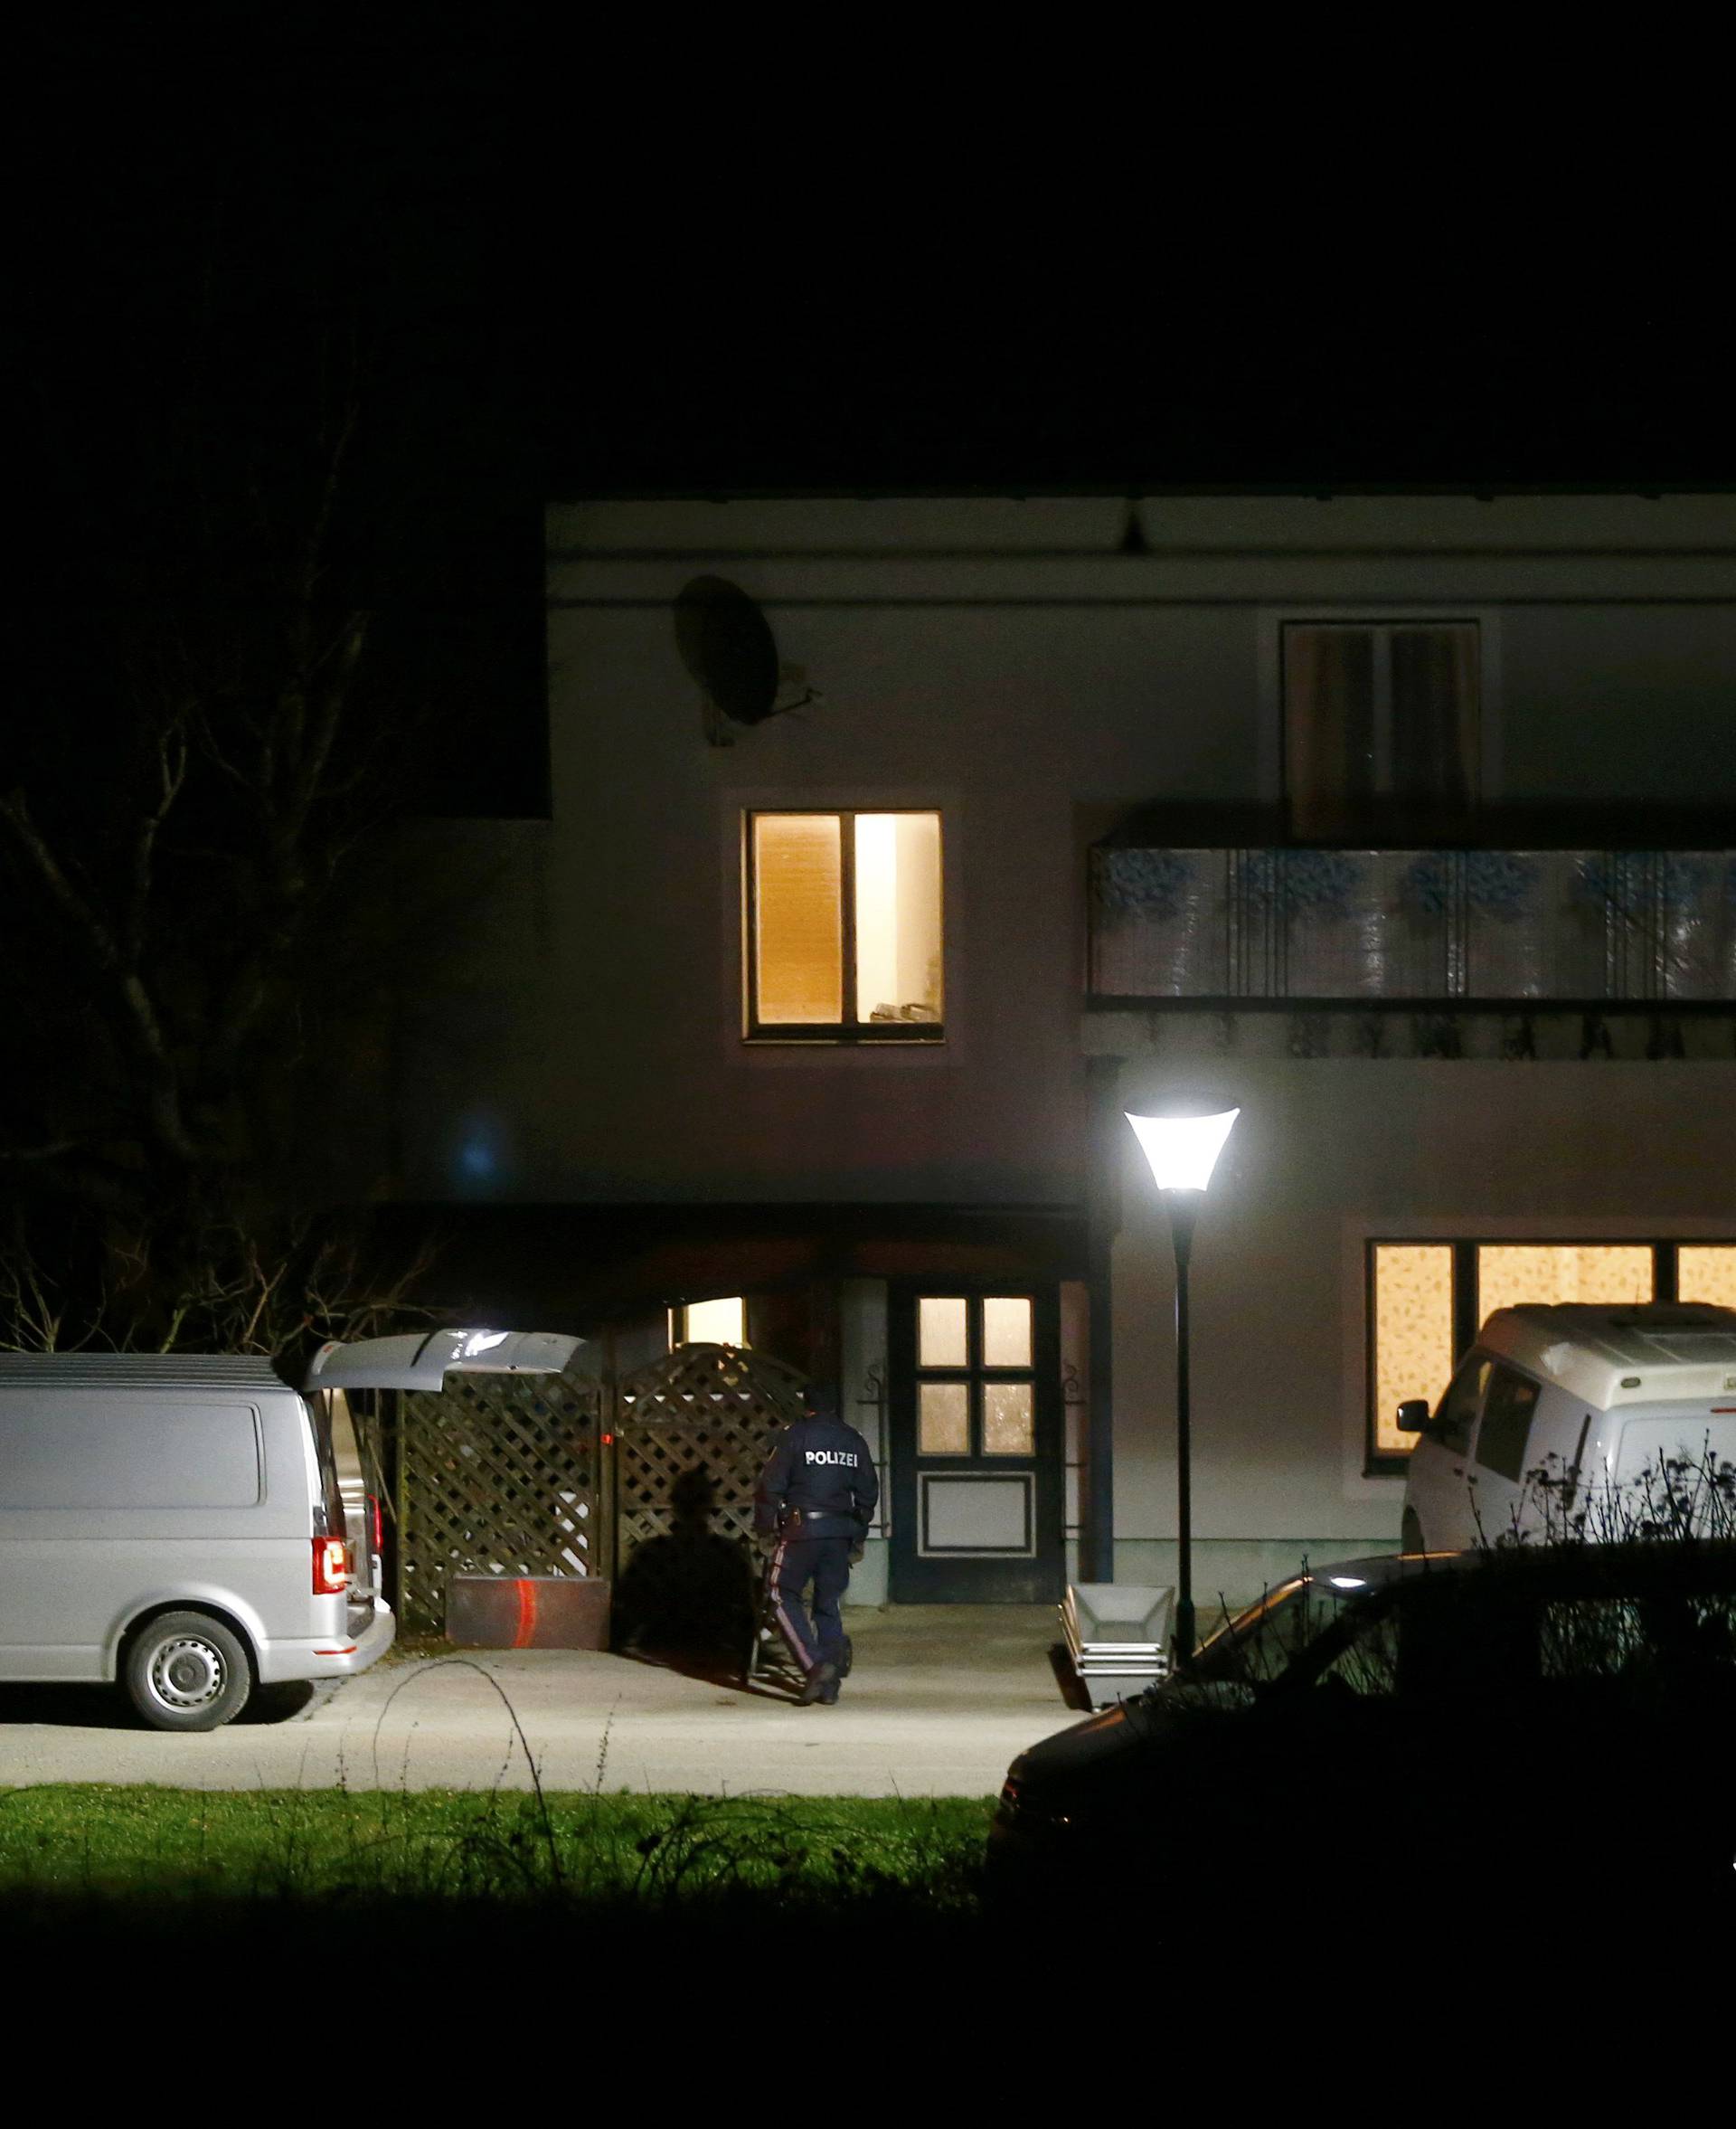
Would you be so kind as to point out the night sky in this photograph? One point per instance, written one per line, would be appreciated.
(665, 293)
(557, 273)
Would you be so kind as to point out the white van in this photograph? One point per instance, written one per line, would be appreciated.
(177, 1521)
(1595, 1398)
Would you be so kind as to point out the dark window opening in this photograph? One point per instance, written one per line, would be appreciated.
(1381, 729)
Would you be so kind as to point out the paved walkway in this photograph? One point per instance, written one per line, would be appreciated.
(941, 1698)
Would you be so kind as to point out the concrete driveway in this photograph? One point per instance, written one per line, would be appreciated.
(941, 1698)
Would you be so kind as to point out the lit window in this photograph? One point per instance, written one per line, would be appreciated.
(1414, 1334)
(1509, 1274)
(1706, 1275)
(1381, 726)
(843, 930)
(1428, 1299)
(709, 1323)
(977, 1393)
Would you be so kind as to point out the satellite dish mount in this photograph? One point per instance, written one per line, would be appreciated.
(727, 645)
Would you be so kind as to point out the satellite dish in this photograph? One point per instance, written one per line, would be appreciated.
(727, 645)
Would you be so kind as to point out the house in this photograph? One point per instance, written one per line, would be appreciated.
(1404, 823)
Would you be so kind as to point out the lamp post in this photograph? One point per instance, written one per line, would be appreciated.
(1183, 1143)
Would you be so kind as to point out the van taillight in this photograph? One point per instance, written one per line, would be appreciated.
(331, 1567)
(376, 1528)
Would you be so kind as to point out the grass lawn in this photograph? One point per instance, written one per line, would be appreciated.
(97, 1847)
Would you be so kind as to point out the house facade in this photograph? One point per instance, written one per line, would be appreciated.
(898, 847)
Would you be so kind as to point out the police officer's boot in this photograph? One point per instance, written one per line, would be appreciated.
(822, 1687)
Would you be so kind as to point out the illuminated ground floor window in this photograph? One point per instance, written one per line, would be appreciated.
(708, 1323)
(1426, 1300)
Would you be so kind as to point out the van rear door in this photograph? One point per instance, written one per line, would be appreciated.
(422, 1360)
(340, 1448)
(1701, 1438)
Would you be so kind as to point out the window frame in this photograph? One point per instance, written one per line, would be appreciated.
(1467, 1303)
(977, 1377)
(1377, 613)
(1379, 805)
(848, 1029)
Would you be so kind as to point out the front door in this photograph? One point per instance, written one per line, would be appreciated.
(976, 1442)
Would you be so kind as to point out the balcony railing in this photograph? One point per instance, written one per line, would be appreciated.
(1487, 928)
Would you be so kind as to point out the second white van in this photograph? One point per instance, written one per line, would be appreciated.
(1567, 1411)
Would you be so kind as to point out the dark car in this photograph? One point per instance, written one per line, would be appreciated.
(1435, 1739)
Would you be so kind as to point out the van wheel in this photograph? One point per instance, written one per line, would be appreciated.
(1410, 1533)
(188, 1671)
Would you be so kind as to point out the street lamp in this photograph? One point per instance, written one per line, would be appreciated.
(1183, 1144)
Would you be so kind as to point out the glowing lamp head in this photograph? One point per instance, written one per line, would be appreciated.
(1182, 1150)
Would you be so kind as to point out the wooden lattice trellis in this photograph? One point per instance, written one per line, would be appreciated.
(702, 1406)
(498, 1474)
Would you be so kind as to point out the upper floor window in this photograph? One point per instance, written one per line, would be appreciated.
(1382, 728)
(843, 926)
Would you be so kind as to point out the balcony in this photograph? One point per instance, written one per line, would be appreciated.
(1486, 931)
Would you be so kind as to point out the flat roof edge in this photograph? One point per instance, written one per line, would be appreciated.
(1643, 490)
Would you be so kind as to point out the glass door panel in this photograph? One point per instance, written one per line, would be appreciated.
(943, 1331)
(943, 1419)
(1006, 1331)
(977, 1468)
(1009, 1419)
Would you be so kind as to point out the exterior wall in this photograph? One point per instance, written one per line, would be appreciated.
(576, 1035)
(1327, 1155)
(1620, 702)
(862, 1312)
(1002, 660)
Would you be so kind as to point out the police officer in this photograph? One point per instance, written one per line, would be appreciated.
(811, 1511)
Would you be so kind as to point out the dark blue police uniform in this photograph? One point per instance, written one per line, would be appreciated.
(818, 1496)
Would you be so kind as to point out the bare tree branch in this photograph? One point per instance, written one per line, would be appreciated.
(123, 989)
(171, 772)
(82, 917)
(51, 1150)
(164, 926)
